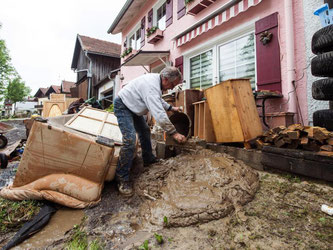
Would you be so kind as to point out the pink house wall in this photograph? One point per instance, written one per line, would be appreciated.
(265, 8)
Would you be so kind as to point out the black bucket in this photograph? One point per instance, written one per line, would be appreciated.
(182, 123)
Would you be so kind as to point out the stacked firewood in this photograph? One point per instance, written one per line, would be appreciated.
(296, 136)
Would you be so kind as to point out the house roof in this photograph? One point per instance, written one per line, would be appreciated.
(95, 46)
(66, 86)
(129, 10)
(53, 89)
(41, 92)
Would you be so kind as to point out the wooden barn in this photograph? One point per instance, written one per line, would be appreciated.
(93, 60)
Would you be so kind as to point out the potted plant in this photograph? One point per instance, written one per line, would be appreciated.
(154, 34)
(127, 53)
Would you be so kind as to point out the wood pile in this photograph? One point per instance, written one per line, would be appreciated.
(296, 136)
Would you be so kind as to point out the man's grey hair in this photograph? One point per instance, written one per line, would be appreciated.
(171, 73)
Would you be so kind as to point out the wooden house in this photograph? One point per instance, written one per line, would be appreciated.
(93, 60)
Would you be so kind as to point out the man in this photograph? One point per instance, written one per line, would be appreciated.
(139, 96)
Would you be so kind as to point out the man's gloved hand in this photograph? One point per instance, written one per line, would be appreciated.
(179, 138)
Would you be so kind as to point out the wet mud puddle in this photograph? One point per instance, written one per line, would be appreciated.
(61, 222)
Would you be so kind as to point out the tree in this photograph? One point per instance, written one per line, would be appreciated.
(7, 71)
(16, 90)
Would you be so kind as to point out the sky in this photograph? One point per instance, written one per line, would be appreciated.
(41, 34)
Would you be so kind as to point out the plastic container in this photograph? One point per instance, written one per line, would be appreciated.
(325, 14)
(327, 209)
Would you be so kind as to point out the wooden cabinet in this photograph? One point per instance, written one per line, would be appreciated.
(185, 99)
(233, 110)
(203, 127)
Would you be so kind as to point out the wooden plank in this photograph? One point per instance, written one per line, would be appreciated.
(225, 116)
(300, 154)
(209, 130)
(196, 120)
(315, 169)
(201, 120)
(52, 109)
(247, 109)
(103, 123)
(88, 121)
(57, 97)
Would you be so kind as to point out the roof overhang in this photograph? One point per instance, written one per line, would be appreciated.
(142, 58)
(126, 14)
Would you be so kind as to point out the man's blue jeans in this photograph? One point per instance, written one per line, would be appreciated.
(130, 124)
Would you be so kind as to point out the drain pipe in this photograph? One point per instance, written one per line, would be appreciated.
(290, 50)
(89, 74)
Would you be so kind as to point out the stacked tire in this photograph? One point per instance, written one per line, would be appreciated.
(322, 66)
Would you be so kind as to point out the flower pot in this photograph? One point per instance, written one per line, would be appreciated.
(196, 6)
(155, 37)
(130, 54)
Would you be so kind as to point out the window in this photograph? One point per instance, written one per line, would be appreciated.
(161, 17)
(132, 43)
(201, 70)
(217, 62)
(237, 59)
(135, 40)
(138, 39)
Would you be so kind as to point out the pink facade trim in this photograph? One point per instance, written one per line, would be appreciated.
(219, 19)
(212, 32)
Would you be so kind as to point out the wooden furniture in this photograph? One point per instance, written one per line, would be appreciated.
(57, 104)
(185, 99)
(234, 113)
(96, 122)
(203, 127)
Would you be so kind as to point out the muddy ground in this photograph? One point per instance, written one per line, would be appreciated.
(235, 208)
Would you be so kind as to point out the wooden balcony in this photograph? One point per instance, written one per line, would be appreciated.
(196, 6)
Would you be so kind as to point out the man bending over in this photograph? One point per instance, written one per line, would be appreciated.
(139, 96)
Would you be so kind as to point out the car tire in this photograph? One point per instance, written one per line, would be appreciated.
(323, 89)
(3, 160)
(3, 141)
(322, 40)
(322, 65)
(323, 118)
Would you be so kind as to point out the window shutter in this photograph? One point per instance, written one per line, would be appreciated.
(268, 56)
(150, 18)
(169, 12)
(143, 27)
(181, 9)
(179, 63)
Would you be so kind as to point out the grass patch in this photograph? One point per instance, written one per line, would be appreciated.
(79, 241)
(13, 214)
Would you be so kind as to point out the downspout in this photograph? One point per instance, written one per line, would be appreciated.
(290, 51)
(89, 74)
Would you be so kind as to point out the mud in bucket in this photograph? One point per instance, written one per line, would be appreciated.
(182, 123)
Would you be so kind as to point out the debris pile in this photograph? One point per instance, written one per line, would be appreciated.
(296, 136)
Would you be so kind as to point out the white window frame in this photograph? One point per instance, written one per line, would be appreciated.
(155, 8)
(214, 44)
(233, 40)
(213, 64)
(133, 32)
